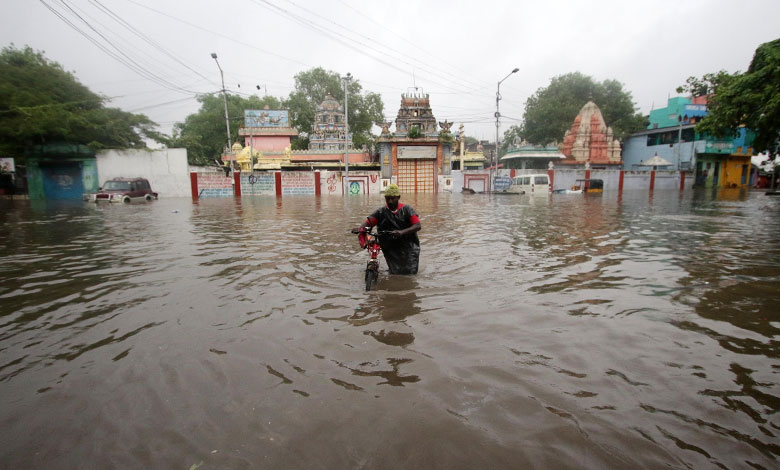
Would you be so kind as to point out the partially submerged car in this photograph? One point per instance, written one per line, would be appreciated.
(125, 190)
(531, 184)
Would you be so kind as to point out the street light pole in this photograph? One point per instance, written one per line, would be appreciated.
(498, 123)
(347, 79)
(224, 98)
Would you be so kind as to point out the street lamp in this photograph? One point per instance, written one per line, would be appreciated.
(498, 123)
(224, 97)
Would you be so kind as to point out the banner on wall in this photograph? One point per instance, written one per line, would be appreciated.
(266, 118)
(7, 165)
(412, 152)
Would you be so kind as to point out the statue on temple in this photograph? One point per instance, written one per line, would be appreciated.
(445, 126)
(385, 127)
(288, 152)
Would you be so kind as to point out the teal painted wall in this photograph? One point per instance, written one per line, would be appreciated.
(38, 179)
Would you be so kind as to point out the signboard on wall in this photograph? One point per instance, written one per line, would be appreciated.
(719, 146)
(7, 165)
(266, 118)
(416, 152)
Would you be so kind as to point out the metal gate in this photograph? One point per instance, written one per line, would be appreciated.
(62, 181)
(416, 176)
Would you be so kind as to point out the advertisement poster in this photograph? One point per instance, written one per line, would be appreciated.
(266, 118)
(7, 165)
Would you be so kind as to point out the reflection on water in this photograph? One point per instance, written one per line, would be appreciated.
(605, 331)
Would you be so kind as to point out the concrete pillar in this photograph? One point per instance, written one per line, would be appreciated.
(194, 184)
(446, 163)
(386, 159)
(237, 183)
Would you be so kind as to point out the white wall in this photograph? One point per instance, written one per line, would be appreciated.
(166, 169)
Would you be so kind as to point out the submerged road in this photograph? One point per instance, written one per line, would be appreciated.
(562, 331)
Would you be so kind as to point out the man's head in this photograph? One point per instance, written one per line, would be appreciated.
(392, 196)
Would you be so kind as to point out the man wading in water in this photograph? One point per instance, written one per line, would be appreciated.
(401, 247)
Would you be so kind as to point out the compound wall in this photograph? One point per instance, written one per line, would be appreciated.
(214, 183)
(166, 169)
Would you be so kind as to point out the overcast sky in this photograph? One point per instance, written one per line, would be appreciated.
(456, 51)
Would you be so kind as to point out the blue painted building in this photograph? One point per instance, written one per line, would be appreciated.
(61, 171)
(671, 135)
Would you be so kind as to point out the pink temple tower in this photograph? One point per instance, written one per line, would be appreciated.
(590, 140)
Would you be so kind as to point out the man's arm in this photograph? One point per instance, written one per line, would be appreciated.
(415, 226)
(369, 222)
(408, 231)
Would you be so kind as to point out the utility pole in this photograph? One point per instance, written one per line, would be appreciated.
(498, 123)
(224, 98)
(679, 143)
(347, 79)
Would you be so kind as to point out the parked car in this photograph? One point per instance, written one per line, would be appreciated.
(125, 190)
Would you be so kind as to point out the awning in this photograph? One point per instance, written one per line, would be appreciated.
(656, 161)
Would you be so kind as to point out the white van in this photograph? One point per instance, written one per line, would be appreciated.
(531, 184)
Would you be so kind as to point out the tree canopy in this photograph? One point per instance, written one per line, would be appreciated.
(42, 103)
(311, 88)
(550, 112)
(751, 99)
(203, 134)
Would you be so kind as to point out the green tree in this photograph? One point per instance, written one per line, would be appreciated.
(41, 103)
(705, 85)
(203, 134)
(311, 88)
(750, 99)
(550, 112)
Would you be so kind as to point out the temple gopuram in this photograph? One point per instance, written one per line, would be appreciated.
(590, 141)
(328, 131)
(416, 154)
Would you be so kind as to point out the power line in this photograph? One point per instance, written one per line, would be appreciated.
(342, 39)
(146, 38)
(224, 36)
(120, 51)
(119, 58)
(422, 67)
(417, 46)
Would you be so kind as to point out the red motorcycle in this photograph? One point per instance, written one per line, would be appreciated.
(370, 242)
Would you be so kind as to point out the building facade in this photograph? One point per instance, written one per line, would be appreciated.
(416, 154)
(61, 171)
(267, 142)
(523, 155)
(672, 136)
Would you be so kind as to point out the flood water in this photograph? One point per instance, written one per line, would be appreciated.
(541, 332)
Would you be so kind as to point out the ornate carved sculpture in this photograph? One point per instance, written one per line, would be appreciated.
(445, 126)
(385, 127)
(590, 139)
